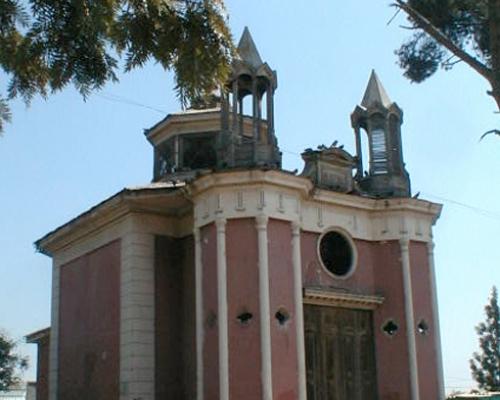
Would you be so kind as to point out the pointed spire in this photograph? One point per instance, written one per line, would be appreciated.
(248, 51)
(375, 93)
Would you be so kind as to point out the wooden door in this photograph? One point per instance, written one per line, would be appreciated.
(340, 359)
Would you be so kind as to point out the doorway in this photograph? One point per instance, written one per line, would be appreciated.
(340, 354)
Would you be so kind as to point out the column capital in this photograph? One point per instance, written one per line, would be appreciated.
(404, 242)
(430, 247)
(220, 224)
(197, 234)
(261, 221)
(296, 226)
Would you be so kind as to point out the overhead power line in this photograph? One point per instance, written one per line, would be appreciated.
(124, 100)
(481, 211)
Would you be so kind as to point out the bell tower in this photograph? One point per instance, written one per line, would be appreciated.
(227, 132)
(381, 119)
(249, 133)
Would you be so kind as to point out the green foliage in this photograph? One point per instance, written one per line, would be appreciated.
(485, 366)
(464, 22)
(48, 44)
(450, 31)
(5, 115)
(10, 363)
(420, 57)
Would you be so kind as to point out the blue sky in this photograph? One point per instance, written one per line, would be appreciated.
(63, 155)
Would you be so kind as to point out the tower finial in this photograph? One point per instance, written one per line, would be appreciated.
(247, 50)
(375, 93)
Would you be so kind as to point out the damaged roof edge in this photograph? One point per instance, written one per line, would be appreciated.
(35, 337)
(148, 131)
(112, 201)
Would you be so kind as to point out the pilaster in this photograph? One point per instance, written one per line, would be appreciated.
(54, 331)
(220, 224)
(264, 305)
(299, 310)
(435, 314)
(137, 318)
(404, 244)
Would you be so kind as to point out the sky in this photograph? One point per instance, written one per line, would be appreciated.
(62, 155)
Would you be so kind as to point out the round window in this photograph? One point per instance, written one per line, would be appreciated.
(337, 253)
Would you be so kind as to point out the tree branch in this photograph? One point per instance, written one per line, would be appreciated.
(494, 34)
(490, 132)
(394, 16)
(442, 39)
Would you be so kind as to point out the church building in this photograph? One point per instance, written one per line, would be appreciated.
(230, 278)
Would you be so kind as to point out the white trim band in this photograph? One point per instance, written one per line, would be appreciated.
(220, 224)
(299, 311)
(435, 315)
(54, 332)
(336, 298)
(404, 244)
(137, 298)
(265, 320)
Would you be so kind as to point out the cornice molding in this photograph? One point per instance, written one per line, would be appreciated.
(247, 194)
(281, 195)
(307, 190)
(239, 178)
(334, 298)
(180, 122)
(157, 202)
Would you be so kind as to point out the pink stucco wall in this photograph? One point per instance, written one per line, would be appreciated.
(283, 337)
(89, 326)
(168, 314)
(175, 358)
(379, 272)
(42, 368)
(392, 351)
(210, 317)
(423, 309)
(243, 296)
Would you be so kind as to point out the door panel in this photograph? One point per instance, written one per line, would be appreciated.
(340, 357)
(311, 366)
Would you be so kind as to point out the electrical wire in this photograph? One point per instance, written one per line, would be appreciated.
(478, 210)
(481, 211)
(123, 100)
